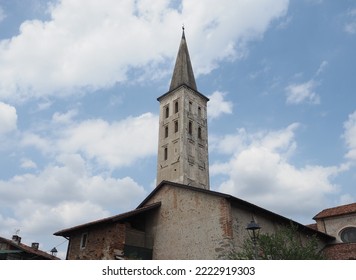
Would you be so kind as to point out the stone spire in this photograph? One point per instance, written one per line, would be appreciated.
(183, 70)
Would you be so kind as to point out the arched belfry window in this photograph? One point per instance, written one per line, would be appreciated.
(348, 235)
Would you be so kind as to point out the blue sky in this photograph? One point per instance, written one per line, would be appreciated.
(79, 115)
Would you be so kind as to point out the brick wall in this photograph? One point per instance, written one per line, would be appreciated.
(103, 243)
(341, 251)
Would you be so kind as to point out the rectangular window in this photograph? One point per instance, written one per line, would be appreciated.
(199, 112)
(166, 111)
(166, 131)
(176, 106)
(190, 128)
(199, 132)
(165, 153)
(84, 240)
(190, 106)
(175, 126)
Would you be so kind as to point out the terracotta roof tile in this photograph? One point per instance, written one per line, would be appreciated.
(29, 249)
(337, 211)
(313, 226)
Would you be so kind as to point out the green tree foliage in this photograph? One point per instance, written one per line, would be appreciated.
(285, 244)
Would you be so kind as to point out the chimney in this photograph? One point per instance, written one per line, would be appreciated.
(35, 245)
(16, 239)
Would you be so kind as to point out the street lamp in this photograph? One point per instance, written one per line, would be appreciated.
(253, 230)
(54, 251)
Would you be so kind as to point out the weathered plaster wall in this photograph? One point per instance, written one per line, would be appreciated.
(269, 225)
(189, 224)
(241, 217)
(334, 225)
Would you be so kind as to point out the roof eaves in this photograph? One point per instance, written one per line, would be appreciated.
(111, 219)
(182, 85)
(336, 211)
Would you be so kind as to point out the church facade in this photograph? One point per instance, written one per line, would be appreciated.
(181, 218)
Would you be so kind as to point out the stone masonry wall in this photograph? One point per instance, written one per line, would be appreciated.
(102, 243)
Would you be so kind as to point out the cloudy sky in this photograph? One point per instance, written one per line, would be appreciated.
(79, 115)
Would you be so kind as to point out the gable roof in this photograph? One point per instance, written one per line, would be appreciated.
(239, 203)
(112, 219)
(29, 250)
(336, 211)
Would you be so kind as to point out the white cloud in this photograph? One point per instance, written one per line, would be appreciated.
(298, 93)
(109, 144)
(217, 105)
(350, 26)
(2, 14)
(346, 199)
(64, 194)
(280, 140)
(27, 163)
(8, 118)
(114, 144)
(65, 117)
(302, 93)
(90, 44)
(322, 67)
(31, 139)
(350, 136)
(260, 171)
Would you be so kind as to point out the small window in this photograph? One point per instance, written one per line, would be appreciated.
(176, 126)
(176, 107)
(348, 234)
(166, 131)
(84, 240)
(165, 153)
(167, 111)
(199, 132)
(190, 106)
(199, 112)
(190, 128)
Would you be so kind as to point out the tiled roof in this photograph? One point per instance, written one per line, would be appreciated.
(116, 218)
(337, 211)
(313, 226)
(28, 249)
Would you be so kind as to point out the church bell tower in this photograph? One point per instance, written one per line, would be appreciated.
(183, 129)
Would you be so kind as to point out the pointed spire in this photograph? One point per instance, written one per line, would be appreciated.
(183, 70)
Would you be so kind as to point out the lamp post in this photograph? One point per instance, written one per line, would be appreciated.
(54, 251)
(253, 230)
